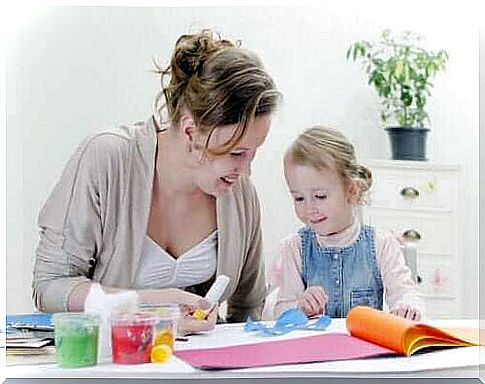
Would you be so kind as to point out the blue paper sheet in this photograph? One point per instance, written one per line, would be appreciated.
(40, 321)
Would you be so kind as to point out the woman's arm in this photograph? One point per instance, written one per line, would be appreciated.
(248, 298)
(70, 231)
(188, 303)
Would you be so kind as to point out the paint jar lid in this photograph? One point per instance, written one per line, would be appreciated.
(136, 318)
(76, 319)
(164, 311)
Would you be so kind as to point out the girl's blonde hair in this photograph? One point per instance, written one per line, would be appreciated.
(218, 82)
(327, 148)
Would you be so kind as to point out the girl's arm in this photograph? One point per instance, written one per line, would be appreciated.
(291, 288)
(396, 275)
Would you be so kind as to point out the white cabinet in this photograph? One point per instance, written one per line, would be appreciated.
(423, 199)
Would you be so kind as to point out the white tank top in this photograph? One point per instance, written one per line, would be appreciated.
(159, 269)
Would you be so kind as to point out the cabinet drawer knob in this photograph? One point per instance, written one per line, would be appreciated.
(409, 192)
(411, 234)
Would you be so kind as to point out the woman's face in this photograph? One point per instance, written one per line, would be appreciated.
(215, 175)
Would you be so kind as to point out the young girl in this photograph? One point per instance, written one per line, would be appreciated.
(334, 262)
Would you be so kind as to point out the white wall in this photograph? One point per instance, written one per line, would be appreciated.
(71, 71)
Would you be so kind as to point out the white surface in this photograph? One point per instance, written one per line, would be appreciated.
(71, 71)
(461, 361)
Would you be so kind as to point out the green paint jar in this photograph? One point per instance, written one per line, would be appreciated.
(76, 337)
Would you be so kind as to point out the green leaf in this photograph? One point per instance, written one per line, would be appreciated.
(398, 69)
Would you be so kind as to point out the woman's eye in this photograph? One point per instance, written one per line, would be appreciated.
(321, 197)
(237, 154)
(298, 199)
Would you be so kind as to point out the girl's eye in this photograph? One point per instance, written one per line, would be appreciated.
(321, 197)
(237, 154)
(298, 199)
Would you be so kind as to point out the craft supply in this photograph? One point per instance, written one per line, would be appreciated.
(166, 326)
(199, 314)
(132, 337)
(30, 321)
(213, 295)
(217, 289)
(406, 336)
(290, 320)
(160, 353)
(105, 305)
(76, 338)
(307, 349)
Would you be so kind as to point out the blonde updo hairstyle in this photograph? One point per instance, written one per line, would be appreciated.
(219, 83)
(327, 148)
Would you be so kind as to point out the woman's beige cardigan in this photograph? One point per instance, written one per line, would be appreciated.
(97, 216)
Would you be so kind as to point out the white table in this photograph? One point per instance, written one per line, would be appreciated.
(456, 362)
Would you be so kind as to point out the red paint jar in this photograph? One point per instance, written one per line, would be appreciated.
(132, 337)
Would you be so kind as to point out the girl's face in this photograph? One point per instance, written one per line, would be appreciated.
(215, 175)
(320, 198)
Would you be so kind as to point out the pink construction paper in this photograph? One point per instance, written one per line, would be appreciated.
(311, 349)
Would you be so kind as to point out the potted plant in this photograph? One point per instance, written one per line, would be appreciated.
(401, 71)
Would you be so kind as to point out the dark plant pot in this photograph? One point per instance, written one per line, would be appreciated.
(408, 143)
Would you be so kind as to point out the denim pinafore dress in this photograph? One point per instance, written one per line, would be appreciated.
(350, 276)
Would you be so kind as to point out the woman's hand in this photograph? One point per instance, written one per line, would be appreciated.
(408, 311)
(188, 303)
(313, 301)
(171, 295)
(189, 324)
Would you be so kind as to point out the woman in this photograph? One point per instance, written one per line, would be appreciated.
(164, 206)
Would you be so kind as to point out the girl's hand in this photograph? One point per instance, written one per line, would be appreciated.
(408, 311)
(313, 301)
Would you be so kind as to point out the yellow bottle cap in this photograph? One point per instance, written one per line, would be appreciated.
(199, 314)
(160, 353)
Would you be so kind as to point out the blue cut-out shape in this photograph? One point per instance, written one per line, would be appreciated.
(289, 320)
(320, 325)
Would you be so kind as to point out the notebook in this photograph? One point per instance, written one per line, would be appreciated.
(405, 336)
(28, 333)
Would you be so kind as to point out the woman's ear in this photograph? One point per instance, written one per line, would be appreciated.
(353, 190)
(188, 129)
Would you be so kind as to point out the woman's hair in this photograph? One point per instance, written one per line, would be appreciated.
(218, 82)
(327, 148)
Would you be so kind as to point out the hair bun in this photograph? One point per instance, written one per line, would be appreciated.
(191, 52)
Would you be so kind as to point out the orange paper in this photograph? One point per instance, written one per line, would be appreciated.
(405, 336)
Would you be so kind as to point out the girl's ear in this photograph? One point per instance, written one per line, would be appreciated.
(353, 191)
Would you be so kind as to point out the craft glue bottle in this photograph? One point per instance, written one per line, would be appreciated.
(213, 295)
